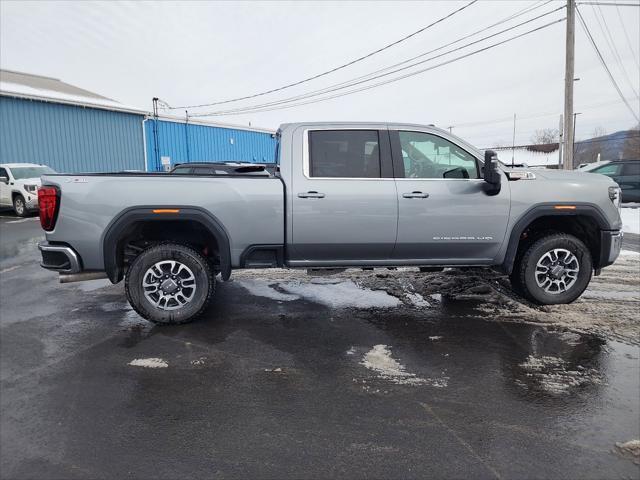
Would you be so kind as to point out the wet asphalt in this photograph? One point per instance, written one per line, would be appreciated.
(262, 389)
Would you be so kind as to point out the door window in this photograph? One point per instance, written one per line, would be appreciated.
(631, 169)
(428, 156)
(610, 169)
(344, 154)
(3, 173)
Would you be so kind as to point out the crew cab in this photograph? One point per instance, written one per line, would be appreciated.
(344, 195)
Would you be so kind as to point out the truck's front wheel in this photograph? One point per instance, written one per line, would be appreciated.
(169, 283)
(554, 269)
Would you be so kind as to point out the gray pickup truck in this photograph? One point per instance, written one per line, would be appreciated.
(344, 195)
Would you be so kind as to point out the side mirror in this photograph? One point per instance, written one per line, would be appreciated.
(4, 180)
(491, 173)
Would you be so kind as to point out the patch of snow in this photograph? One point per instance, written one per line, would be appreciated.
(19, 89)
(630, 220)
(417, 300)
(379, 360)
(436, 296)
(114, 306)
(10, 269)
(629, 253)
(91, 285)
(273, 370)
(435, 338)
(198, 362)
(263, 288)
(149, 363)
(134, 321)
(351, 351)
(343, 294)
(630, 449)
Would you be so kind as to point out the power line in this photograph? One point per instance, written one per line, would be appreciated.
(532, 116)
(391, 80)
(578, 142)
(604, 64)
(335, 69)
(611, 4)
(372, 75)
(612, 46)
(624, 29)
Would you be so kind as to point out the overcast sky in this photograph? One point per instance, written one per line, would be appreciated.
(193, 53)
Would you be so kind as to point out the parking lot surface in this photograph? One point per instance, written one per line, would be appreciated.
(291, 378)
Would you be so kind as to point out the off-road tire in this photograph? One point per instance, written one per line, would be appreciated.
(197, 263)
(20, 206)
(523, 276)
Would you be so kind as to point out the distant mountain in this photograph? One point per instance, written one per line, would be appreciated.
(624, 144)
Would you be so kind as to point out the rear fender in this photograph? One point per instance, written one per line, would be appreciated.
(127, 218)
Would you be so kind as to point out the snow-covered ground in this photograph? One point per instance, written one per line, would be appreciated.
(609, 307)
(630, 220)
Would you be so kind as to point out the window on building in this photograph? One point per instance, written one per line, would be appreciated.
(344, 154)
(428, 156)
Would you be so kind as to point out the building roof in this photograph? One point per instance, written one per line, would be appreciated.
(531, 155)
(48, 89)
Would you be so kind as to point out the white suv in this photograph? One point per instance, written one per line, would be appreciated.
(19, 183)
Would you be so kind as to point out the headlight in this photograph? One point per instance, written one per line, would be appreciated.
(31, 188)
(614, 195)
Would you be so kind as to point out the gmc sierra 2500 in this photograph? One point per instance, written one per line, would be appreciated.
(345, 195)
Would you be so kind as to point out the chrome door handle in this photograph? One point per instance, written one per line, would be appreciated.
(415, 194)
(311, 194)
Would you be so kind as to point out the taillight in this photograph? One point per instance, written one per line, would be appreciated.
(48, 203)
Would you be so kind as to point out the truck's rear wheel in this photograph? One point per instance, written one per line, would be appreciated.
(554, 269)
(169, 283)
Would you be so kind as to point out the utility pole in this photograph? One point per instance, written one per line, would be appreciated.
(513, 142)
(573, 146)
(568, 85)
(560, 140)
(155, 131)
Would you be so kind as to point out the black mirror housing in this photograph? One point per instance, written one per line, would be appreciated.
(491, 173)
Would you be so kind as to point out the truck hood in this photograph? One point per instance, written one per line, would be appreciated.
(573, 176)
(29, 181)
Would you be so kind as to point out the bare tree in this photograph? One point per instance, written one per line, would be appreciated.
(598, 132)
(544, 136)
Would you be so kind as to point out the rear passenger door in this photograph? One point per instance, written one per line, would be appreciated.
(444, 214)
(344, 198)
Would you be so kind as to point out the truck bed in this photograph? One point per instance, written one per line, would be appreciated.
(251, 208)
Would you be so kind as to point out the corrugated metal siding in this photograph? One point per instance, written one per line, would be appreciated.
(69, 138)
(185, 143)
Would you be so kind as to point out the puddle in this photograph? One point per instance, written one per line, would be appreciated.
(555, 376)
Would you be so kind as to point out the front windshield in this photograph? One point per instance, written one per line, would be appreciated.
(20, 173)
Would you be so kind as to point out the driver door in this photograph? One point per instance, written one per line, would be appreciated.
(445, 215)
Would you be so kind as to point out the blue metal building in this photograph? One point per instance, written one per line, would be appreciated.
(69, 138)
(179, 141)
(44, 120)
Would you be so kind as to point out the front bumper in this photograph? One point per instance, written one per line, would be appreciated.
(31, 200)
(59, 257)
(610, 246)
